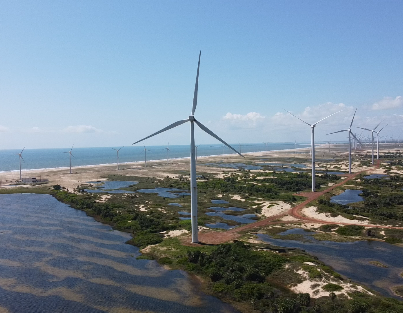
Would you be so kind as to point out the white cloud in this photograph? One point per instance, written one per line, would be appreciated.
(82, 129)
(388, 103)
(249, 120)
(3, 129)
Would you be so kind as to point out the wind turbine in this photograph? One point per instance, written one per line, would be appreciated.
(350, 133)
(21, 158)
(117, 155)
(167, 148)
(145, 156)
(71, 155)
(377, 141)
(193, 184)
(372, 138)
(313, 143)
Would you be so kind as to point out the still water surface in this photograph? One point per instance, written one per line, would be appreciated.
(56, 259)
(353, 259)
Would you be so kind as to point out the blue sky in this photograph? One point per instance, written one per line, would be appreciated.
(107, 73)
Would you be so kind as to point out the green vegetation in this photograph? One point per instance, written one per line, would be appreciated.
(350, 230)
(332, 287)
(256, 277)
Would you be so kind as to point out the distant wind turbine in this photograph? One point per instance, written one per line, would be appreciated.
(145, 156)
(193, 184)
(313, 143)
(350, 134)
(117, 155)
(377, 141)
(372, 138)
(71, 155)
(167, 148)
(21, 159)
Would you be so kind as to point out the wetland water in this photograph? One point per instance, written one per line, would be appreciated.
(56, 259)
(352, 259)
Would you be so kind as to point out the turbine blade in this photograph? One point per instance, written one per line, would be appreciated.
(72, 155)
(297, 117)
(381, 129)
(196, 87)
(22, 150)
(164, 129)
(378, 125)
(353, 118)
(327, 117)
(365, 128)
(339, 131)
(208, 131)
(352, 134)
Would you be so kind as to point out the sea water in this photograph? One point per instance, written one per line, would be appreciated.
(59, 158)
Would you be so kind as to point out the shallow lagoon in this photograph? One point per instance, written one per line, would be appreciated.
(352, 259)
(57, 259)
(347, 197)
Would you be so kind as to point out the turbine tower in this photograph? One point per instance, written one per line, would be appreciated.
(117, 155)
(313, 143)
(71, 155)
(372, 139)
(21, 159)
(377, 141)
(145, 156)
(167, 148)
(350, 133)
(193, 185)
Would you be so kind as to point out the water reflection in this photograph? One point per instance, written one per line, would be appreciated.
(80, 265)
(347, 197)
(166, 192)
(111, 186)
(352, 259)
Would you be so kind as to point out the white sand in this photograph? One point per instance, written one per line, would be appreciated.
(314, 286)
(272, 208)
(312, 213)
(176, 233)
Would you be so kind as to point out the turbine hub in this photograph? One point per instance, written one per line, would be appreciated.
(191, 118)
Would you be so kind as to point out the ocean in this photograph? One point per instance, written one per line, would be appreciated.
(57, 158)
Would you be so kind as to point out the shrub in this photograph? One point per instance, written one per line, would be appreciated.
(332, 287)
(144, 239)
(350, 230)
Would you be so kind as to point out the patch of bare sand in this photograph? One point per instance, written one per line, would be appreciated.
(271, 208)
(312, 213)
(176, 233)
(315, 286)
(237, 197)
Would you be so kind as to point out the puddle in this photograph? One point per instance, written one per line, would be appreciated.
(376, 176)
(175, 204)
(219, 202)
(218, 208)
(243, 219)
(166, 192)
(184, 213)
(220, 225)
(111, 186)
(347, 197)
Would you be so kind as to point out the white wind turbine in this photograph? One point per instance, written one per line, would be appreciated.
(313, 143)
(117, 155)
(21, 159)
(350, 133)
(71, 155)
(372, 138)
(193, 184)
(377, 141)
